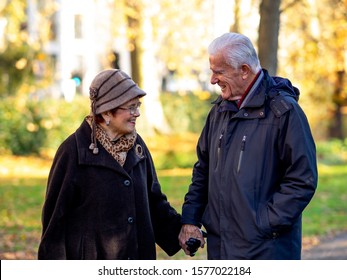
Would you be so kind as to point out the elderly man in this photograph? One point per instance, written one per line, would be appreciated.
(256, 170)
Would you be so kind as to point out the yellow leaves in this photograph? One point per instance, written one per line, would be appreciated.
(31, 127)
(47, 124)
(27, 241)
(203, 95)
(21, 63)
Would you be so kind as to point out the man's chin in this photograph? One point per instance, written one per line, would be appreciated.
(226, 96)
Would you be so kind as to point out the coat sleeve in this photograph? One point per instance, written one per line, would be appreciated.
(165, 219)
(298, 155)
(196, 198)
(58, 196)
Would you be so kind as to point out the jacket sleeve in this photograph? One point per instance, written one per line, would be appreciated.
(298, 155)
(165, 220)
(196, 198)
(58, 196)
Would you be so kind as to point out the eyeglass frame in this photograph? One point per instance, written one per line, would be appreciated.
(132, 109)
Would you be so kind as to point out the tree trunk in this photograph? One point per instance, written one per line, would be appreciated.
(336, 127)
(268, 34)
(134, 23)
(150, 81)
(236, 26)
(144, 70)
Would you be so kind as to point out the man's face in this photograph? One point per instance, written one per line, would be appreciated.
(232, 82)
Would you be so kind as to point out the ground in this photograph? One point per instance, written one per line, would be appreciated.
(331, 248)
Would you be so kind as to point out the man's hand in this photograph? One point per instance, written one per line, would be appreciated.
(188, 231)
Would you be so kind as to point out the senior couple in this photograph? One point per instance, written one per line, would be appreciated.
(255, 174)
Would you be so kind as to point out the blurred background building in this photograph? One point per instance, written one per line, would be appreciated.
(79, 43)
(82, 42)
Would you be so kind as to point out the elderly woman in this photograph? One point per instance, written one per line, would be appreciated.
(103, 197)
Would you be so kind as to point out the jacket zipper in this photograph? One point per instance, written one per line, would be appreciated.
(220, 144)
(219, 148)
(243, 144)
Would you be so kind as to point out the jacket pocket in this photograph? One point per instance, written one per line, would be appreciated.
(264, 224)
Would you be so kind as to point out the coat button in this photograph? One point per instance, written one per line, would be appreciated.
(126, 183)
(245, 114)
(261, 114)
(130, 220)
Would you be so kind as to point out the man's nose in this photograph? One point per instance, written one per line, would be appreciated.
(213, 80)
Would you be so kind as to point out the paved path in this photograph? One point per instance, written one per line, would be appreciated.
(331, 248)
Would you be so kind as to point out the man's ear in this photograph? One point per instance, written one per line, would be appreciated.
(246, 71)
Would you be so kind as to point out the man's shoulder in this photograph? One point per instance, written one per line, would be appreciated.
(282, 102)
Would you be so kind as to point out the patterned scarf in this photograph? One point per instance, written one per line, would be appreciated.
(118, 148)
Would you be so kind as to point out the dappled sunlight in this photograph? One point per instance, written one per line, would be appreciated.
(325, 169)
(176, 172)
(24, 167)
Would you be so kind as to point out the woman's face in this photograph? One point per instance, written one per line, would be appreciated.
(123, 120)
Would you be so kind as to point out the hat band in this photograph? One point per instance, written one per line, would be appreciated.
(116, 85)
(107, 101)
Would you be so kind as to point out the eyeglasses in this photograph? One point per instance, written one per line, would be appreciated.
(132, 109)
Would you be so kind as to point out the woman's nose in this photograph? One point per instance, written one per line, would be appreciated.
(137, 112)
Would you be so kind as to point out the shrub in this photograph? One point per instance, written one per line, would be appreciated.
(332, 152)
(30, 126)
(187, 113)
(21, 131)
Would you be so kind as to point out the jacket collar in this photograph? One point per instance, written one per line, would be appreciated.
(266, 87)
(255, 98)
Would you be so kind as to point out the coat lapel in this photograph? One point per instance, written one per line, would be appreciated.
(103, 158)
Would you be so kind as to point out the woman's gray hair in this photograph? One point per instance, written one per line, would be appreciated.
(237, 49)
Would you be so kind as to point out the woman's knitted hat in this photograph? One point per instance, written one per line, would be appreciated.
(110, 89)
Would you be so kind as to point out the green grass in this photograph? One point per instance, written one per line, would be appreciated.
(175, 187)
(20, 215)
(327, 212)
(23, 184)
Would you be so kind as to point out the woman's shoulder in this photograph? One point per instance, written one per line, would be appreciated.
(140, 140)
(70, 143)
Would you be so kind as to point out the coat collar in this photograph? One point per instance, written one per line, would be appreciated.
(103, 158)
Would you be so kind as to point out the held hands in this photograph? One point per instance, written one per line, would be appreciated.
(190, 239)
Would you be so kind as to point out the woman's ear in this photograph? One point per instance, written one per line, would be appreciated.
(107, 117)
